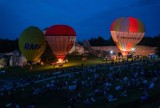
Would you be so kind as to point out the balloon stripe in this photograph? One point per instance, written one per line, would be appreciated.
(127, 32)
(60, 38)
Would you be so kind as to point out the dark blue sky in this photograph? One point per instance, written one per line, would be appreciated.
(89, 18)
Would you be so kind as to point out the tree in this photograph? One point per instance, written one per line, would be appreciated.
(7, 45)
(150, 41)
(158, 49)
(101, 41)
(111, 42)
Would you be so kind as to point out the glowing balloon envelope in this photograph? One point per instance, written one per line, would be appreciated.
(32, 43)
(61, 39)
(126, 33)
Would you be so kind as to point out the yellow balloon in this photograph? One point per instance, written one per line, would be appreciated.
(32, 43)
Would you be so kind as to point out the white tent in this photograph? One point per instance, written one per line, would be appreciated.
(2, 63)
(17, 59)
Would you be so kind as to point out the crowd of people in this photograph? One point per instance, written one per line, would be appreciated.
(87, 85)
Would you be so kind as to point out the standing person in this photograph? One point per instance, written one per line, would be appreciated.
(82, 66)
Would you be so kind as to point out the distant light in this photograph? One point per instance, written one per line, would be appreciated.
(111, 52)
(132, 49)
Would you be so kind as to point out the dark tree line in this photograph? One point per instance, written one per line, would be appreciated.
(7, 45)
(158, 49)
(100, 41)
(148, 41)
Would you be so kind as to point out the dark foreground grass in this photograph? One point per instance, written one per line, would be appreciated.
(55, 99)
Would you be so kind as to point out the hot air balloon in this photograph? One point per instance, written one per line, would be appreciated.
(32, 43)
(126, 33)
(72, 49)
(61, 39)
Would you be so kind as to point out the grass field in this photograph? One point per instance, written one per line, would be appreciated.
(18, 72)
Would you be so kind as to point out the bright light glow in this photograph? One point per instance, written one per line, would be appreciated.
(60, 60)
(132, 49)
(111, 52)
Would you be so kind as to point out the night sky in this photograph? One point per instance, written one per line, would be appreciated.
(89, 18)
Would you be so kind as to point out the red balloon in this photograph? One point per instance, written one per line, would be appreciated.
(61, 39)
